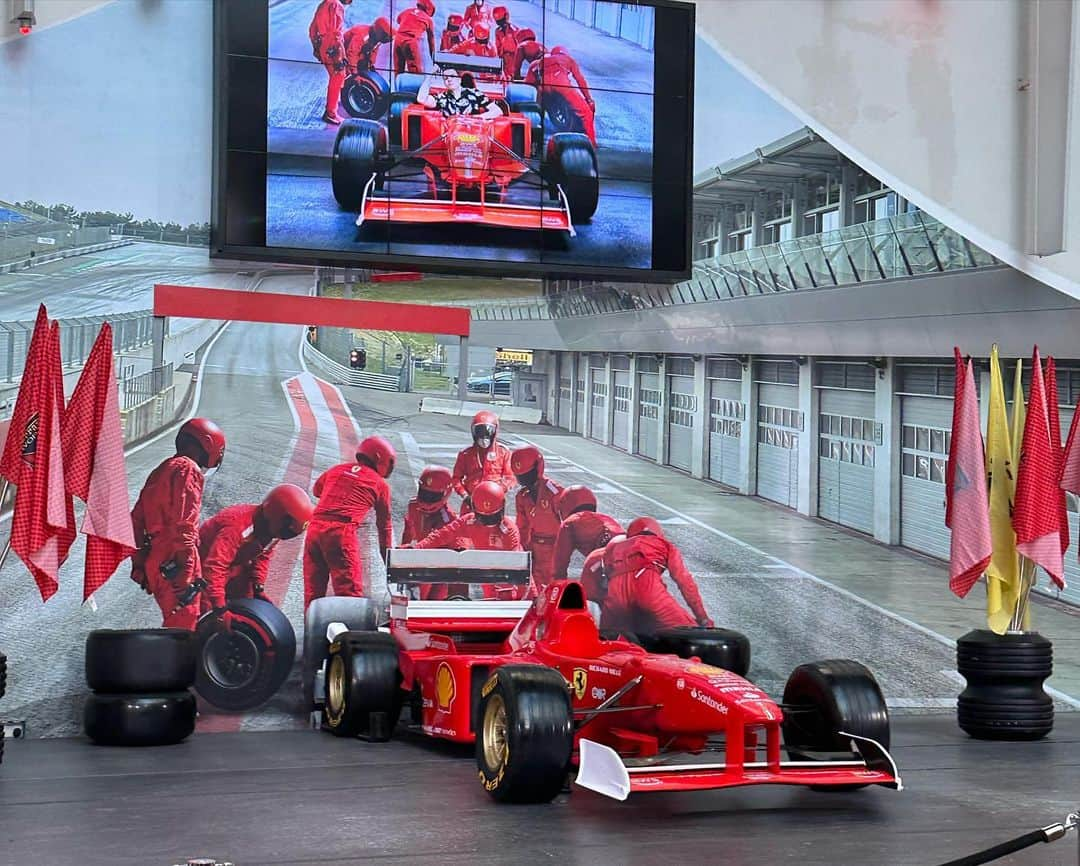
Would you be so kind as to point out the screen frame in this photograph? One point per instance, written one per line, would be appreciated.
(226, 221)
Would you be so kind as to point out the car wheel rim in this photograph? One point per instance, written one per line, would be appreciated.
(232, 660)
(361, 101)
(495, 732)
(335, 690)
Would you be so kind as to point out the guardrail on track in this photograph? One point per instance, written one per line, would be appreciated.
(348, 376)
(145, 386)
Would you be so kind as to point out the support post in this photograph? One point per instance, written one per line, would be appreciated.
(160, 327)
(463, 368)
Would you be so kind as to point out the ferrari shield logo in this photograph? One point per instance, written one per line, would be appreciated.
(580, 681)
(445, 687)
(30, 438)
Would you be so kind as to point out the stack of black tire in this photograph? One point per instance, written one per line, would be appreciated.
(3, 689)
(141, 681)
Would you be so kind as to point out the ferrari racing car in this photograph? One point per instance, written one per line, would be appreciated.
(540, 693)
(467, 169)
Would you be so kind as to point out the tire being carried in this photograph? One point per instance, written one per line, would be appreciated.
(139, 720)
(524, 734)
(720, 647)
(365, 95)
(356, 614)
(359, 152)
(140, 660)
(363, 686)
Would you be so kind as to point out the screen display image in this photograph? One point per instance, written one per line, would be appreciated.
(518, 132)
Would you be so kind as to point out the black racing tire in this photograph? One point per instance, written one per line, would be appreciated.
(408, 83)
(825, 697)
(524, 734)
(363, 686)
(139, 720)
(357, 614)
(2, 744)
(532, 112)
(518, 92)
(398, 103)
(366, 95)
(561, 117)
(3, 675)
(359, 152)
(1004, 698)
(140, 660)
(720, 647)
(243, 669)
(572, 163)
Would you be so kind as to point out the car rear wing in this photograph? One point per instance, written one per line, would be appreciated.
(407, 567)
(470, 62)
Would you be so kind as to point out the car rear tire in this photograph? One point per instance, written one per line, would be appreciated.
(408, 83)
(140, 660)
(532, 112)
(561, 117)
(363, 686)
(139, 720)
(398, 103)
(357, 614)
(243, 669)
(720, 647)
(517, 93)
(572, 164)
(524, 734)
(826, 697)
(366, 95)
(359, 152)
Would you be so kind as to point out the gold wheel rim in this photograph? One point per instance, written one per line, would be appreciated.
(495, 732)
(335, 692)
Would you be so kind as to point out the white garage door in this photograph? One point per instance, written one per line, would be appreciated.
(847, 444)
(598, 389)
(780, 424)
(727, 413)
(620, 416)
(648, 426)
(682, 407)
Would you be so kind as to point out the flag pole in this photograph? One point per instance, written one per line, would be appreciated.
(7, 547)
(1027, 575)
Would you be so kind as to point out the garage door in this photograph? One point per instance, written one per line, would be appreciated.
(648, 426)
(579, 394)
(620, 416)
(847, 444)
(682, 407)
(780, 424)
(598, 389)
(566, 403)
(727, 413)
(926, 422)
(1068, 393)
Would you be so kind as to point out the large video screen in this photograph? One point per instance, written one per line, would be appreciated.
(524, 136)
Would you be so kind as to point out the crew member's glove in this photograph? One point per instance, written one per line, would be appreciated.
(259, 591)
(138, 574)
(466, 502)
(225, 619)
(705, 622)
(592, 105)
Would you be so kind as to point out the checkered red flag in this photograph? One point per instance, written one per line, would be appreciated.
(12, 464)
(1053, 415)
(1036, 517)
(967, 502)
(94, 465)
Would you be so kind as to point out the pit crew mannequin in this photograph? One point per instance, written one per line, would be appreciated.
(452, 35)
(583, 528)
(362, 43)
(529, 50)
(166, 523)
(505, 36)
(537, 516)
(480, 45)
(325, 32)
(484, 460)
(412, 26)
(637, 598)
(235, 546)
(477, 12)
(485, 528)
(559, 73)
(429, 510)
(346, 493)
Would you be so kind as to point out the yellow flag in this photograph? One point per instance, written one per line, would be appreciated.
(1003, 574)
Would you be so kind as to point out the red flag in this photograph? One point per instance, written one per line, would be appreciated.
(94, 465)
(1035, 515)
(1054, 417)
(12, 464)
(42, 527)
(967, 503)
(1070, 469)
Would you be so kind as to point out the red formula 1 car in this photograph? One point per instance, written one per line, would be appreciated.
(540, 692)
(422, 167)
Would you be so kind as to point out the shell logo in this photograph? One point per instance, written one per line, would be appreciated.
(445, 687)
(468, 137)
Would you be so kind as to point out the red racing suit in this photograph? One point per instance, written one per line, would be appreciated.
(593, 578)
(474, 15)
(477, 49)
(360, 55)
(233, 559)
(559, 76)
(538, 523)
(506, 46)
(412, 24)
(166, 523)
(467, 533)
(421, 521)
(519, 57)
(474, 465)
(584, 532)
(450, 40)
(327, 44)
(346, 492)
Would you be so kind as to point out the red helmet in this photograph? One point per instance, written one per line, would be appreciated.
(644, 526)
(526, 34)
(488, 501)
(501, 15)
(426, 6)
(206, 435)
(485, 425)
(381, 30)
(575, 498)
(379, 453)
(286, 511)
(481, 33)
(532, 51)
(558, 49)
(454, 22)
(434, 486)
(527, 461)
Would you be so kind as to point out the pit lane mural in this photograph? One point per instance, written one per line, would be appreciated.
(461, 129)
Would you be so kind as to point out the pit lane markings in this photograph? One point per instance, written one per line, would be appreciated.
(940, 638)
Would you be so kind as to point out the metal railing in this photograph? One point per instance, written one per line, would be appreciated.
(896, 247)
(348, 376)
(138, 389)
